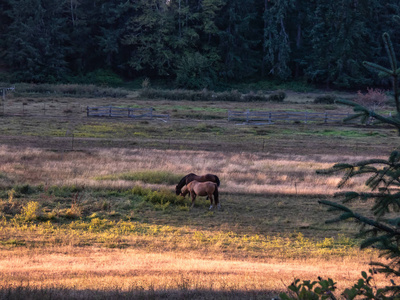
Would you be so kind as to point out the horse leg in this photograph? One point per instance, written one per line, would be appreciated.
(211, 201)
(193, 195)
(216, 198)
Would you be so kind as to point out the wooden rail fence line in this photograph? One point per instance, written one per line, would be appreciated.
(120, 112)
(265, 117)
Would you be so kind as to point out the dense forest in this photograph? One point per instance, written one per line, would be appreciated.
(197, 43)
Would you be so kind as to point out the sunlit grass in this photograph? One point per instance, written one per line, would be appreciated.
(123, 233)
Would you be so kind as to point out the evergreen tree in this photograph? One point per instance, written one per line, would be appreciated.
(339, 39)
(364, 112)
(276, 37)
(4, 23)
(114, 16)
(151, 36)
(198, 66)
(381, 231)
(239, 40)
(35, 40)
(96, 30)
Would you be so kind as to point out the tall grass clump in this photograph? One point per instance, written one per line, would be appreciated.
(160, 197)
(64, 191)
(30, 212)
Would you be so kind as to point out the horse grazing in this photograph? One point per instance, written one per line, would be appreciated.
(207, 188)
(190, 177)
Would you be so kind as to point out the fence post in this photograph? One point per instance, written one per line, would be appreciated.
(305, 121)
(87, 111)
(326, 117)
(151, 113)
(270, 118)
(110, 111)
(229, 115)
(247, 115)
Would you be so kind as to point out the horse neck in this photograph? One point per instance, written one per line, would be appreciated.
(182, 182)
(185, 191)
(190, 177)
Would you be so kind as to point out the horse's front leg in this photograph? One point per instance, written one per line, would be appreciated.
(193, 195)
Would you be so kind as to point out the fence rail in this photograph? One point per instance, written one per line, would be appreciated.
(121, 112)
(4, 91)
(265, 117)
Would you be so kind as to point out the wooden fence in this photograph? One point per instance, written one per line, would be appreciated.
(264, 117)
(121, 112)
(4, 91)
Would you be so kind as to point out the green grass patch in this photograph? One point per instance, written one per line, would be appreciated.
(347, 133)
(13, 243)
(154, 177)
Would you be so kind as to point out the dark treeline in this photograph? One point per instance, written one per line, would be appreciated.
(197, 43)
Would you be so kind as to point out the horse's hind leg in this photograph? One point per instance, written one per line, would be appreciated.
(193, 198)
(216, 198)
(211, 201)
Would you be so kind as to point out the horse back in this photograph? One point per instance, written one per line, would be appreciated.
(202, 178)
(202, 188)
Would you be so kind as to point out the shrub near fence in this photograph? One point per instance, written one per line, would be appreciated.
(265, 117)
(118, 112)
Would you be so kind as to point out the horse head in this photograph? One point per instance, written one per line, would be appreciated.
(184, 191)
(178, 190)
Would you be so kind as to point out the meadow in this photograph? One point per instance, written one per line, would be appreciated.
(88, 209)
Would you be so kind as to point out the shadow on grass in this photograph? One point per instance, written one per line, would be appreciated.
(32, 293)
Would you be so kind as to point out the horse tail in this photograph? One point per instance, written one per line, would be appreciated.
(217, 180)
(216, 196)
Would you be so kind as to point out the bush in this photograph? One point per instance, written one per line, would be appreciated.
(278, 96)
(161, 197)
(250, 97)
(64, 191)
(30, 212)
(24, 189)
(103, 77)
(325, 99)
(233, 96)
(372, 99)
(321, 289)
(195, 72)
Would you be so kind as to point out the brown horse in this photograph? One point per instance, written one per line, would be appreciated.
(190, 177)
(207, 188)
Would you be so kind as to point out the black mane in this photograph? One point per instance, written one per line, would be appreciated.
(182, 182)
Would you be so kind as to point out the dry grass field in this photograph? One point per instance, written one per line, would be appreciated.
(88, 210)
